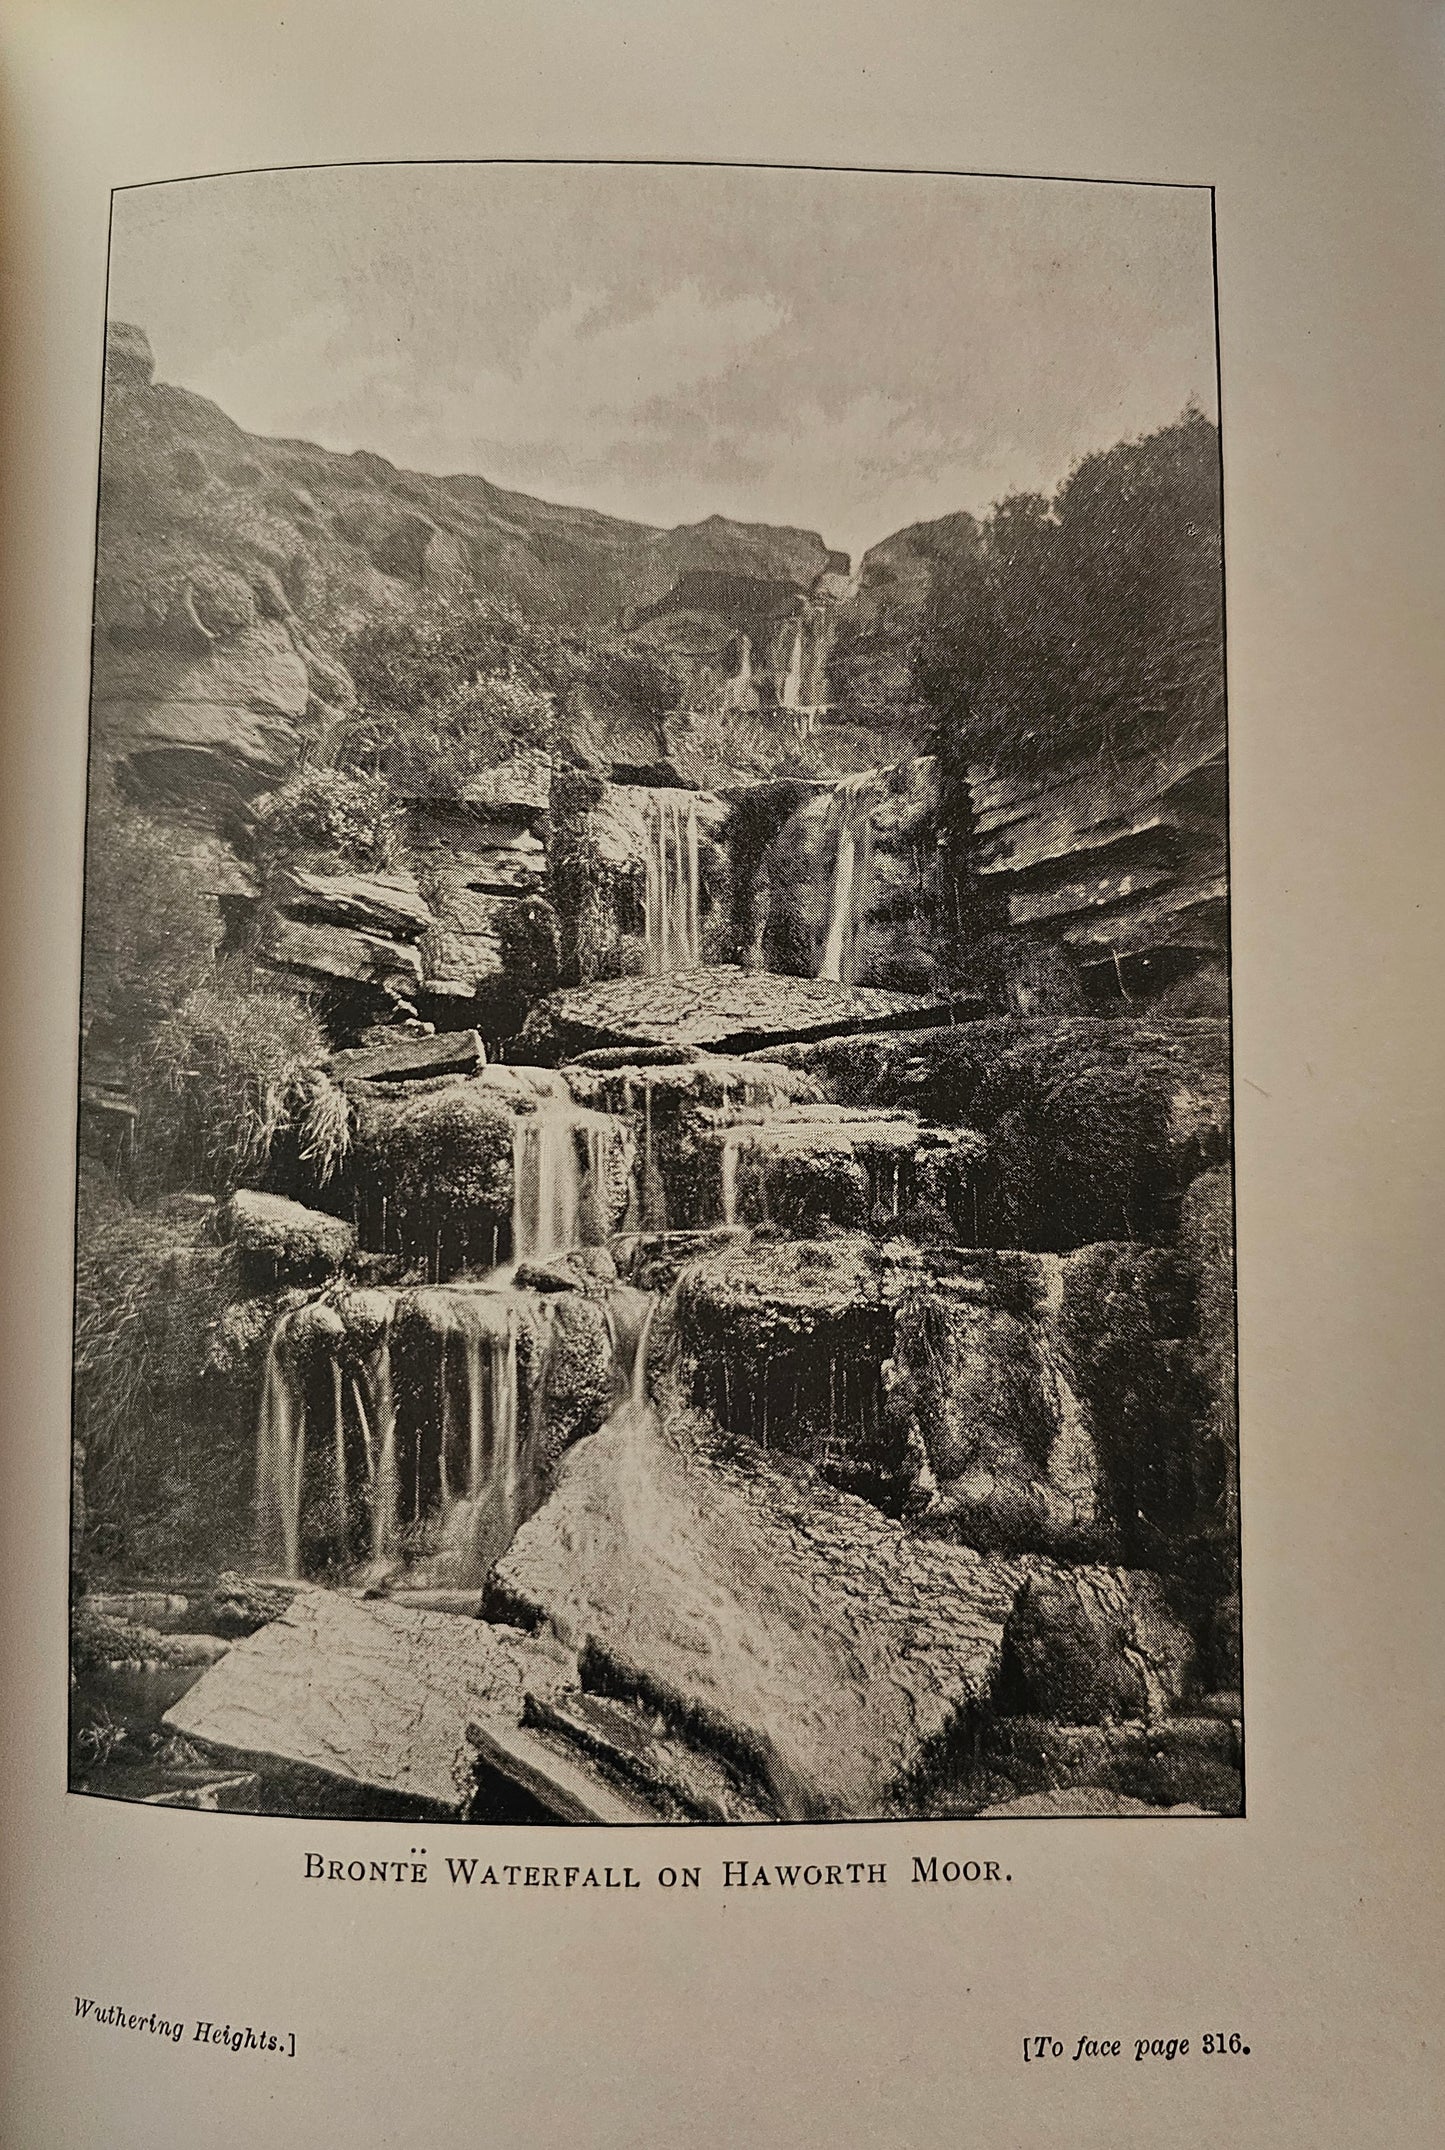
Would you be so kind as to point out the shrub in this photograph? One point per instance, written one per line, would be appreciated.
(163, 1448)
(150, 927)
(1073, 629)
(225, 1076)
(352, 818)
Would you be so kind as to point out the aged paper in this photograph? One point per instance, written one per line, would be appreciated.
(885, 1954)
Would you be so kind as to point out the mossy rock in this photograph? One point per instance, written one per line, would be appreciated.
(280, 1241)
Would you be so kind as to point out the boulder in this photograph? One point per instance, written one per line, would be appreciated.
(831, 1657)
(988, 1413)
(280, 1241)
(577, 1378)
(1094, 1646)
(371, 1704)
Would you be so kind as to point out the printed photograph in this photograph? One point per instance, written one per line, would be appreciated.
(655, 1217)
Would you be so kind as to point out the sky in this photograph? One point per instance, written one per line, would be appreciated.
(847, 352)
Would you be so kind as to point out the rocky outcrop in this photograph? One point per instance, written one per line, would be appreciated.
(485, 868)
(198, 725)
(998, 1449)
(1095, 1126)
(390, 904)
(832, 1657)
(403, 1059)
(1090, 1647)
(391, 969)
(1119, 870)
(933, 1381)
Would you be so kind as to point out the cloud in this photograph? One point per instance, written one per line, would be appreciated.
(848, 352)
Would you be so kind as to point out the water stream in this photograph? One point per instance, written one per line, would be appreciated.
(850, 833)
(672, 923)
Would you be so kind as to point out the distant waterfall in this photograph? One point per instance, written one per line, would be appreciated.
(671, 891)
(851, 828)
(792, 690)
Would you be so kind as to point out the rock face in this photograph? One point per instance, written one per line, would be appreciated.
(485, 868)
(201, 724)
(385, 903)
(1006, 1452)
(641, 876)
(1095, 1127)
(932, 1381)
(802, 1635)
(1120, 872)
(368, 1702)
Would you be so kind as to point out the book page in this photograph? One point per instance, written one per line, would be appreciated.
(718, 1419)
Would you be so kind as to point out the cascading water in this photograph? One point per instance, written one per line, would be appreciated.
(792, 690)
(850, 826)
(630, 1315)
(483, 1492)
(430, 1456)
(546, 1183)
(281, 1441)
(672, 907)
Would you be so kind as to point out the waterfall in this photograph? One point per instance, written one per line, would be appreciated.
(729, 1176)
(850, 822)
(281, 1446)
(546, 1184)
(480, 1522)
(792, 694)
(671, 896)
(630, 1315)
(384, 1488)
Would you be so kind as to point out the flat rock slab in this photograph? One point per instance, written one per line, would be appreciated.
(373, 1696)
(386, 903)
(723, 1008)
(453, 1052)
(815, 1643)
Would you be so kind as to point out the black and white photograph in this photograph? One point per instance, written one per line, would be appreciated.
(655, 1215)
